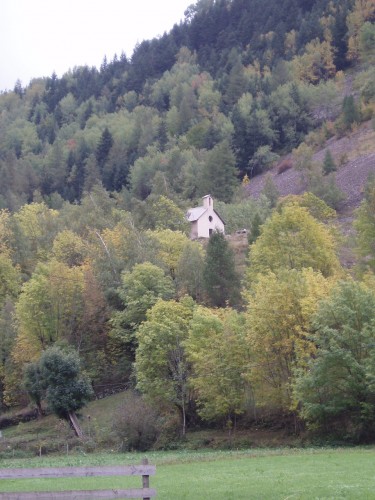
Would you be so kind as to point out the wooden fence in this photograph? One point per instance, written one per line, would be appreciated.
(145, 470)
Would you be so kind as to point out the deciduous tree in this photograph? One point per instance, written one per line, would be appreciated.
(57, 377)
(141, 288)
(162, 368)
(219, 355)
(337, 392)
(49, 309)
(365, 226)
(280, 307)
(293, 239)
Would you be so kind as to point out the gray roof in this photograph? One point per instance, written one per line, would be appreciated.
(194, 213)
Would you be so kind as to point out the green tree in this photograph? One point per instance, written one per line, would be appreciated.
(350, 113)
(104, 147)
(316, 207)
(220, 279)
(163, 213)
(329, 165)
(36, 226)
(34, 385)
(168, 247)
(50, 308)
(69, 248)
(236, 85)
(293, 239)
(7, 339)
(141, 288)
(365, 225)
(219, 355)
(367, 42)
(255, 228)
(162, 368)
(67, 388)
(189, 271)
(219, 175)
(337, 392)
(262, 160)
(10, 279)
(270, 191)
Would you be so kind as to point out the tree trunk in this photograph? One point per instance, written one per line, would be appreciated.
(183, 418)
(74, 421)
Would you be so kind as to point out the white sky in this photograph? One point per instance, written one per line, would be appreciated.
(38, 37)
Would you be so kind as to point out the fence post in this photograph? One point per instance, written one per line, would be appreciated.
(145, 479)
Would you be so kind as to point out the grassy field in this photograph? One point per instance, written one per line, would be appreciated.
(252, 474)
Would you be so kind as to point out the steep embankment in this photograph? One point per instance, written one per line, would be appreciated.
(354, 156)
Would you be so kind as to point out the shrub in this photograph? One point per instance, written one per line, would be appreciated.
(343, 158)
(286, 164)
(367, 113)
(137, 424)
(169, 437)
(262, 160)
(325, 188)
(329, 165)
(316, 138)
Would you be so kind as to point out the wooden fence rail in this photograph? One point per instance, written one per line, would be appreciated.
(145, 470)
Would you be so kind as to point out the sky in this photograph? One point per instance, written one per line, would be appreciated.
(38, 37)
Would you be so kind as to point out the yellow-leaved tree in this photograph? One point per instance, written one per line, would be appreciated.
(219, 354)
(168, 247)
(49, 309)
(37, 226)
(280, 306)
(293, 239)
(363, 10)
(317, 62)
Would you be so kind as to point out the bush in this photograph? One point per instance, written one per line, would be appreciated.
(169, 432)
(316, 138)
(284, 165)
(367, 113)
(325, 188)
(137, 424)
(329, 165)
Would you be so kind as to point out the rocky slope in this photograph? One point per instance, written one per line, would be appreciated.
(355, 157)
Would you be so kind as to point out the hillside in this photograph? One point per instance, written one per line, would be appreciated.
(248, 101)
(358, 151)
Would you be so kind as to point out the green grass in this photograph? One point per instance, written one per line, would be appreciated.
(252, 474)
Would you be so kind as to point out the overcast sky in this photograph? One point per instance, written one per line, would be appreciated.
(38, 37)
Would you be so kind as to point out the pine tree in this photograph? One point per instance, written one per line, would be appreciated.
(255, 228)
(104, 147)
(219, 274)
(350, 112)
(220, 174)
(329, 165)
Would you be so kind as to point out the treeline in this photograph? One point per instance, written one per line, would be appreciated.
(293, 335)
(170, 122)
(97, 171)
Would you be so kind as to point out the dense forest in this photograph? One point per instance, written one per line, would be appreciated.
(98, 168)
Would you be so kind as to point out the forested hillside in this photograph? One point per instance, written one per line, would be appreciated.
(97, 171)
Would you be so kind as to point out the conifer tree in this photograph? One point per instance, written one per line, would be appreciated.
(104, 147)
(350, 112)
(329, 165)
(219, 274)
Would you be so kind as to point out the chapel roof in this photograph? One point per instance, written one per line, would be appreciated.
(195, 213)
